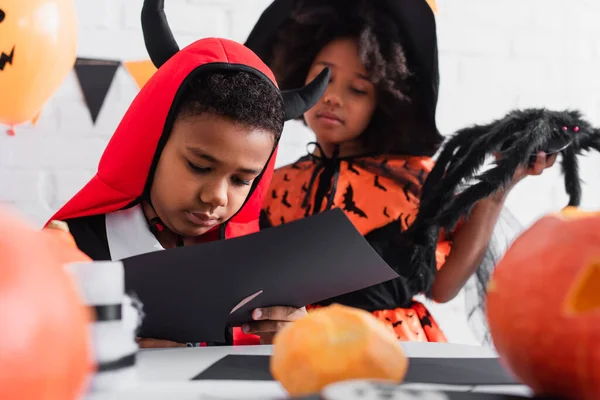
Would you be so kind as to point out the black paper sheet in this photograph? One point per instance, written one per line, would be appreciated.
(189, 292)
(443, 371)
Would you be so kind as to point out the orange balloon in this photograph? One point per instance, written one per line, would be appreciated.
(45, 349)
(38, 49)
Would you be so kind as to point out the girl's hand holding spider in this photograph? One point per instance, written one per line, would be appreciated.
(537, 165)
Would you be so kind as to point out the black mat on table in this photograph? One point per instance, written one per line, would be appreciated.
(449, 396)
(445, 371)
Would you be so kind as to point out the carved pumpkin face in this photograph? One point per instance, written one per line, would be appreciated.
(44, 340)
(543, 306)
(38, 44)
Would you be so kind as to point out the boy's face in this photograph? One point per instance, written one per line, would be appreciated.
(346, 108)
(205, 172)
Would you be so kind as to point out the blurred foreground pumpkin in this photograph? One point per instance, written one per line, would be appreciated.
(543, 306)
(44, 349)
(332, 344)
(62, 244)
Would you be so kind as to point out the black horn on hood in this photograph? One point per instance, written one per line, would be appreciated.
(415, 21)
(161, 46)
(299, 101)
(160, 43)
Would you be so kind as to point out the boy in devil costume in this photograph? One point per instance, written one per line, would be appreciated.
(193, 156)
(376, 136)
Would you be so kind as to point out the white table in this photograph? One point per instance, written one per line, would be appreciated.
(166, 374)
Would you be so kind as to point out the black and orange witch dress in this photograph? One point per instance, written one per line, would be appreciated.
(377, 193)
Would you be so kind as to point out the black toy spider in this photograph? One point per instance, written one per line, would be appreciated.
(519, 136)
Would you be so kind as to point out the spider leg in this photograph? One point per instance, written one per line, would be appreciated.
(471, 156)
(456, 144)
(591, 142)
(415, 248)
(466, 167)
(460, 168)
(412, 251)
(495, 178)
(480, 137)
(429, 194)
(504, 129)
(481, 141)
(570, 164)
(570, 169)
(489, 182)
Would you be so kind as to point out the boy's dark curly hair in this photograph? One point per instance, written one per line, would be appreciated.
(314, 24)
(241, 96)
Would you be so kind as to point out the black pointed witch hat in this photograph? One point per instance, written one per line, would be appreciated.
(415, 20)
(161, 46)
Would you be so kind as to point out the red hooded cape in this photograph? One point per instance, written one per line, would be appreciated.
(127, 160)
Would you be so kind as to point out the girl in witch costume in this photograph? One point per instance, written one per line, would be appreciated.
(193, 156)
(375, 140)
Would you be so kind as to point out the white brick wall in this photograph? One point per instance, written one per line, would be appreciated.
(495, 55)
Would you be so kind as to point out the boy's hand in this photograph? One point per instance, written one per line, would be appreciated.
(269, 320)
(146, 343)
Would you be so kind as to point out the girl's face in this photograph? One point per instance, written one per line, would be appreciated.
(347, 106)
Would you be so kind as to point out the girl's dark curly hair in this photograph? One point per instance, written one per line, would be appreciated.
(314, 24)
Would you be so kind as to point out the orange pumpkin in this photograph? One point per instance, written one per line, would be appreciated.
(333, 344)
(44, 348)
(543, 306)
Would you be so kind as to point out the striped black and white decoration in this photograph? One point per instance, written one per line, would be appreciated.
(376, 390)
(102, 288)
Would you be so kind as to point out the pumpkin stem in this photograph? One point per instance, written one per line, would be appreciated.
(60, 225)
(584, 295)
(572, 212)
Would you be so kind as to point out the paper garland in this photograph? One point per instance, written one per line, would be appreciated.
(95, 77)
(141, 71)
